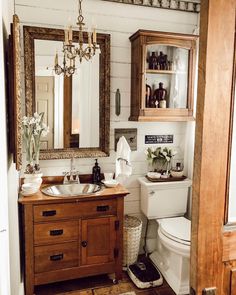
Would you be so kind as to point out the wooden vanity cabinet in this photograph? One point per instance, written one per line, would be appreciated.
(176, 73)
(72, 238)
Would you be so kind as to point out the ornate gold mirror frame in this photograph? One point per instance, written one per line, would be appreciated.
(103, 40)
(14, 74)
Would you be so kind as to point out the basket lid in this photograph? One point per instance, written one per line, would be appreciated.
(131, 221)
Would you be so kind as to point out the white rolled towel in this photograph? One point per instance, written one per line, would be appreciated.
(123, 165)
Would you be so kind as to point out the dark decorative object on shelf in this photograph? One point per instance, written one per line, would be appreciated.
(152, 61)
(170, 65)
(153, 103)
(162, 61)
(160, 95)
(148, 96)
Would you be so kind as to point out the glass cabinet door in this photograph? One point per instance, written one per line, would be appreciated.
(166, 77)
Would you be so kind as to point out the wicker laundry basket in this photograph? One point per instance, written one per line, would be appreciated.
(131, 239)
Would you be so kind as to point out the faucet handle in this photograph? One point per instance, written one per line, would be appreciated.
(77, 177)
(65, 180)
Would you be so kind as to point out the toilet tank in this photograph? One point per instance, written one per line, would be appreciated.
(164, 199)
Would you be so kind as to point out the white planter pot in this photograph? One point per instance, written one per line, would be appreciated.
(35, 178)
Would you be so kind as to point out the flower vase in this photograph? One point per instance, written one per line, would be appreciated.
(36, 166)
(35, 178)
(158, 166)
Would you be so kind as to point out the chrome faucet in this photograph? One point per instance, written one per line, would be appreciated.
(73, 175)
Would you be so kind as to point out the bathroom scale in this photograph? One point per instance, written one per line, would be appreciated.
(144, 274)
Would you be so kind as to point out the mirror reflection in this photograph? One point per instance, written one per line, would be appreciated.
(77, 108)
(70, 104)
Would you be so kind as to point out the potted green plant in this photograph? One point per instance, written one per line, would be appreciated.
(160, 159)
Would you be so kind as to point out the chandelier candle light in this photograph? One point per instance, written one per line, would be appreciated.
(70, 51)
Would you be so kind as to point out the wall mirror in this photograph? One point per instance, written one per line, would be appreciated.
(76, 108)
(14, 91)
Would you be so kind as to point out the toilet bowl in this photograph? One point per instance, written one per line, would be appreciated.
(166, 203)
(175, 234)
(172, 253)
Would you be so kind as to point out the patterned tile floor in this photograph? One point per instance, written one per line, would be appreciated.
(99, 285)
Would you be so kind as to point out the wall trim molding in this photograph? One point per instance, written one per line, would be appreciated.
(180, 5)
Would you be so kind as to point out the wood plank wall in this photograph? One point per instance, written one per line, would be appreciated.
(120, 21)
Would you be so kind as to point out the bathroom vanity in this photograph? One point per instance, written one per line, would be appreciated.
(71, 237)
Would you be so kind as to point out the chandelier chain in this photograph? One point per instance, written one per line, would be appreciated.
(80, 17)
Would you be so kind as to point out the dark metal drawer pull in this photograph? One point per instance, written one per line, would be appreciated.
(56, 257)
(49, 213)
(102, 208)
(84, 244)
(56, 232)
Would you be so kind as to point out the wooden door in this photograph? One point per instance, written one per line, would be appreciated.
(213, 243)
(98, 240)
(44, 91)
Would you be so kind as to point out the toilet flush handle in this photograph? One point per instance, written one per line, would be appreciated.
(151, 193)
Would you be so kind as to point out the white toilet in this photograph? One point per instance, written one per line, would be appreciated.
(166, 202)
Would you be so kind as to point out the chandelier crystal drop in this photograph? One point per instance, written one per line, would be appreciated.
(71, 52)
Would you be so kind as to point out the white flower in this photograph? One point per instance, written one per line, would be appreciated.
(168, 159)
(45, 132)
(36, 115)
(31, 121)
(173, 153)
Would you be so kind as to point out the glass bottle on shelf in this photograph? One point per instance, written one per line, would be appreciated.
(152, 100)
(162, 61)
(152, 61)
(160, 95)
(148, 96)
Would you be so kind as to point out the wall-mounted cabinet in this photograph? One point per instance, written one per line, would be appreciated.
(162, 76)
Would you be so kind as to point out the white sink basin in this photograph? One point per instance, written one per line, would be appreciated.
(71, 190)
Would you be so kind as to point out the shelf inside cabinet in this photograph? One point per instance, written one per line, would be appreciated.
(160, 72)
(163, 72)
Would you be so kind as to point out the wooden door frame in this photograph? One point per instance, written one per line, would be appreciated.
(210, 267)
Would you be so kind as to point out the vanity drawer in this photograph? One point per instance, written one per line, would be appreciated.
(48, 258)
(55, 232)
(97, 208)
(54, 211)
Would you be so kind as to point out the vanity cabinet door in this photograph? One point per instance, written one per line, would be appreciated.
(98, 239)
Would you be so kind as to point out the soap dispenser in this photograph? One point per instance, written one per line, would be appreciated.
(96, 177)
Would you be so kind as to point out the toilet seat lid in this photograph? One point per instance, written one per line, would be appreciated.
(177, 229)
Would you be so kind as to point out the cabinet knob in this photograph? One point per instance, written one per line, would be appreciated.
(84, 244)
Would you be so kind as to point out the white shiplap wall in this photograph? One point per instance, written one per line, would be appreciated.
(120, 21)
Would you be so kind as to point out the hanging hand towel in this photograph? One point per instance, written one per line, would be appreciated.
(123, 166)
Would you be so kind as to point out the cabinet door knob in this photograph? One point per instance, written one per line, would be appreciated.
(84, 244)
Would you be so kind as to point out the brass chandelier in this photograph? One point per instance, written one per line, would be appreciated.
(70, 51)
